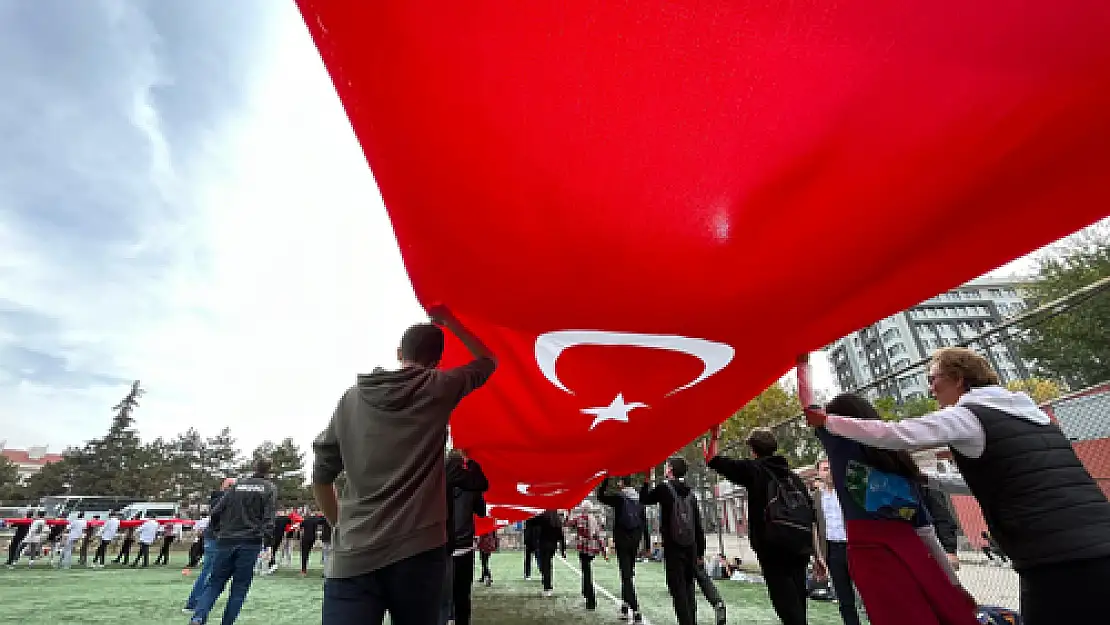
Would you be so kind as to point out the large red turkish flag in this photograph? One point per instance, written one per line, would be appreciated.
(649, 208)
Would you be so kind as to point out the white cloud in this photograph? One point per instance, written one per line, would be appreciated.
(281, 279)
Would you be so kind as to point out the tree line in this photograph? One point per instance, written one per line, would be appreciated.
(183, 469)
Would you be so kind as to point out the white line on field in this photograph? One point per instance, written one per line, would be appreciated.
(598, 587)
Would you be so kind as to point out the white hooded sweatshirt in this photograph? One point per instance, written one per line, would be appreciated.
(955, 425)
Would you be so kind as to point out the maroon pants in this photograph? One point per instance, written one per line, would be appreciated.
(899, 581)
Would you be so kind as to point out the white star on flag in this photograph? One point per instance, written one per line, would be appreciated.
(616, 411)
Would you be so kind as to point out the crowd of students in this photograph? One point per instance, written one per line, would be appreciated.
(405, 521)
(404, 525)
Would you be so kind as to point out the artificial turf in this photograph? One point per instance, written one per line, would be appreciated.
(155, 596)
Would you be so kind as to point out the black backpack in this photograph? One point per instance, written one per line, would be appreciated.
(788, 516)
(631, 517)
(682, 530)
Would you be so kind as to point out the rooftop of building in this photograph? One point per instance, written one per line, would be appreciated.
(36, 455)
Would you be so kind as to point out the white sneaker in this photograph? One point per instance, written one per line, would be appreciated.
(549, 593)
(186, 611)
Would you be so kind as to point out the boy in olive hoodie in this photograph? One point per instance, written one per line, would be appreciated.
(388, 434)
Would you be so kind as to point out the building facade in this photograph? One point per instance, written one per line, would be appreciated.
(28, 461)
(892, 344)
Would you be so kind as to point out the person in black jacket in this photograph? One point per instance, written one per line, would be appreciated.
(784, 572)
(531, 545)
(679, 559)
(243, 519)
(309, 527)
(628, 530)
(16, 546)
(465, 485)
(550, 539)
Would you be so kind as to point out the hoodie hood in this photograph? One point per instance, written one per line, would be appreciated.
(1013, 403)
(392, 390)
(631, 493)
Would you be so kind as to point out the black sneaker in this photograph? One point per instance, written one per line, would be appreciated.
(637, 619)
(719, 610)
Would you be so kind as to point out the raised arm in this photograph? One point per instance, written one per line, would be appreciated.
(739, 472)
(952, 425)
(440, 315)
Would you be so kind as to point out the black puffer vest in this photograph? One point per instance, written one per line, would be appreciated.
(1039, 501)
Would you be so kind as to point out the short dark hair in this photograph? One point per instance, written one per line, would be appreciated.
(677, 465)
(422, 344)
(763, 442)
(263, 466)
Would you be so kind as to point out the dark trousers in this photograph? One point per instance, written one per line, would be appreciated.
(101, 551)
(785, 577)
(836, 556)
(546, 560)
(707, 587)
(274, 546)
(586, 560)
(14, 550)
(462, 583)
(164, 554)
(679, 565)
(1069, 592)
(626, 561)
(144, 555)
(530, 551)
(84, 556)
(306, 552)
(196, 552)
(405, 589)
(125, 551)
(486, 573)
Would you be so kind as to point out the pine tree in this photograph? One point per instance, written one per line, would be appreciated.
(114, 463)
(220, 457)
(288, 475)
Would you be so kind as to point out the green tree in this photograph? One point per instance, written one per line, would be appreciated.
(52, 478)
(221, 457)
(188, 461)
(778, 409)
(10, 487)
(159, 473)
(1039, 389)
(288, 474)
(887, 407)
(113, 465)
(1073, 346)
(918, 406)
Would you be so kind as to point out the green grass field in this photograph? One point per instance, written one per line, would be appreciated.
(155, 596)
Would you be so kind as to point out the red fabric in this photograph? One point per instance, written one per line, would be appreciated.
(764, 175)
(486, 525)
(899, 582)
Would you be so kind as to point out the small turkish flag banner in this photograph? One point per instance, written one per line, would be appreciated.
(649, 209)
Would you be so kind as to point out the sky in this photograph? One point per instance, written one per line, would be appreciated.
(182, 201)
